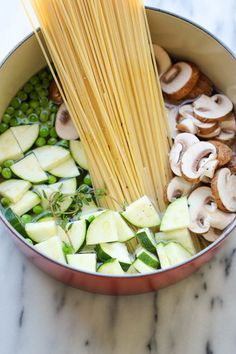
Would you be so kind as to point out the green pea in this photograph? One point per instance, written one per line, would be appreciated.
(34, 95)
(5, 202)
(14, 122)
(16, 102)
(10, 110)
(52, 141)
(24, 107)
(44, 101)
(19, 114)
(34, 80)
(44, 115)
(54, 109)
(22, 95)
(26, 218)
(53, 117)
(45, 83)
(3, 127)
(38, 88)
(28, 87)
(34, 104)
(28, 240)
(40, 142)
(53, 133)
(24, 120)
(6, 173)
(43, 74)
(29, 111)
(52, 179)
(33, 117)
(87, 180)
(63, 143)
(83, 188)
(37, 209)
(44, 131)
(38, 111)
(6, 118)
(8, 163)
(49, 124)
(43, 92)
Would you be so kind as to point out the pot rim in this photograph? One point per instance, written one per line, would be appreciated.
(224, 234)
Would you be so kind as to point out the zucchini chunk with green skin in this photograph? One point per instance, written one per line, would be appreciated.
(86, 262)
(112, 266)
(176, 215)
(102, 229)
(176, 253)
(9, 147)
(50, 156)
(132, 270)
(147, 258)
(91, 206)
(115, 250)
(181, 236)
(52, 248)
(91, 216)
(147, 240)
(26, 135)
(14, 189)
(76, 232)
(41, 231)
(15, 221)
(26, 203)
(66, 169)
(164, 261)
(142, 267)
(125, 233)
(142, 213)
(78, 154)
(29, 169)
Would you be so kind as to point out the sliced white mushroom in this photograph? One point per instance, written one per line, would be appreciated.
(197, 161)
(212, 235)
(226, 135)
(213, 134)
(204, 213)
(64, 125)
(181, 143)
(162, 58)
(209, 168)
(172, 113)
(187, 125)
(232, 164)
(224, 152)
(229, 124)
(186, 111)
(179, 80)
(203, 86)
(206, 128)
(223, 188)
(177, 188)
(217, 107)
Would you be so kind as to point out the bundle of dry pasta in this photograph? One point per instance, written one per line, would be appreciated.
(103, 56)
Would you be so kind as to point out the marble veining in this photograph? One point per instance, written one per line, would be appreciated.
(39, 315)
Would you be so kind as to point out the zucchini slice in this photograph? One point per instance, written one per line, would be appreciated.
(181, 236)
(51, 156)
(78, 153)
(14, 189)
(29, 169)
(113, 250)
(26, 203)
(147, 258)
(142, 213)
(41, 231)
(176, 253)
(26, 135)
(15, 221)
(143, 268)
(125, 233)
(102, 229)
(176, 215)
(86, 262)
(76, 232)
(52, 248)
(164, 261)
(112, 266)
(9, 147)
(147, 240)
(66, 169)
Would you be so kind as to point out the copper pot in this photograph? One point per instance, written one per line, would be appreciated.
(182, 39)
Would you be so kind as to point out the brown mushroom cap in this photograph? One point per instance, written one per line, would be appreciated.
(177, 188)
(203, 86)
(229, 124)
(224, 153)
(162, 59)
(213, 134)
(181, 143)
(198, 161)
(64, 125)
(217, 107)
(179, 80)
(54, 93)
(223, 189)
(232, 164)
(212, 235)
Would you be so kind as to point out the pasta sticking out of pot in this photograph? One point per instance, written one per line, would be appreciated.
(103, 55)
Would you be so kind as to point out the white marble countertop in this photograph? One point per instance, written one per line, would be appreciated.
(39, 315)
